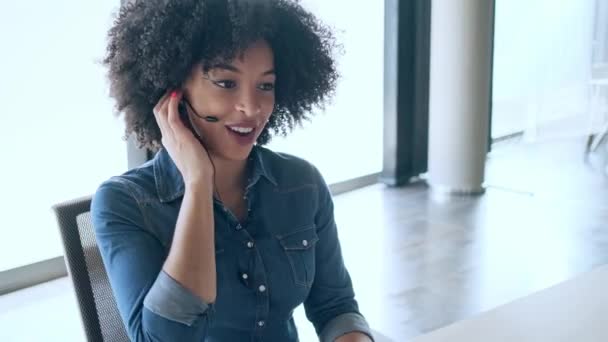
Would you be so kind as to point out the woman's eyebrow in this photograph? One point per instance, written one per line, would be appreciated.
(232, 68)
(225, 66)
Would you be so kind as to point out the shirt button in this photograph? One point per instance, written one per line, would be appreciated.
(262, 288)
(261, 323)
(250, 244)
(245, 276)
(238, 226)
(305, 243)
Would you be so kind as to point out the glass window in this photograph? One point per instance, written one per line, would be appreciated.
(59, 137)
(345, 141)
(544, 67)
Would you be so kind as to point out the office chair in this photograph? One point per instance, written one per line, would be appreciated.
(98, 309)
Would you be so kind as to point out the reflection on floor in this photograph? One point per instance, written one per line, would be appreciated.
(420, 262)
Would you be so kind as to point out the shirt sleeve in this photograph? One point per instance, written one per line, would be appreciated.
(331, 304)
(152, 305)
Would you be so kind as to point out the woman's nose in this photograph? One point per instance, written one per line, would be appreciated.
(249, 104)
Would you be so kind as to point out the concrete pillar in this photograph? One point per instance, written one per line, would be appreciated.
(459, 104)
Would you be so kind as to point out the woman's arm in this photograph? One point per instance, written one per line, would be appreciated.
(331, 305)
(160, 297)
(191, 260)
(155, 304)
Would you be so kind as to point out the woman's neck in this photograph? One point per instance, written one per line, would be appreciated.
(230, 176)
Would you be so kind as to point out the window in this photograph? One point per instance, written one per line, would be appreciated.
(59, 137)
(543, 67)
(345, 141)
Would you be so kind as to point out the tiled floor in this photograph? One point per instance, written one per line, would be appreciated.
(420, 262)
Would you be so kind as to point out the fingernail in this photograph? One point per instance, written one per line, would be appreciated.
(174, 94)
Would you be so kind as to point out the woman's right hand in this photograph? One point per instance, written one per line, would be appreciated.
(187, 152)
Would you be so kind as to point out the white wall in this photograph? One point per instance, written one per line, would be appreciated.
(541, 64)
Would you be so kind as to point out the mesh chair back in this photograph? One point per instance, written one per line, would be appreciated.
(98, 308)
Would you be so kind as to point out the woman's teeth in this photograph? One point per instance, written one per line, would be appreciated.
(242, 130)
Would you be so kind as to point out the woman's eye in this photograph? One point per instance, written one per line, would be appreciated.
(227, 84)
(267, 86)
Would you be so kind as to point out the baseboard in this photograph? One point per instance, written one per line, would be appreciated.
(354, 184)
(32, 274)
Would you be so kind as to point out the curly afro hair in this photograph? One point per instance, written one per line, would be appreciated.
(153, 45)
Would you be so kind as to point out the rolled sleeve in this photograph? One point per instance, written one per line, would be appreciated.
(344, 324)
(169, 299)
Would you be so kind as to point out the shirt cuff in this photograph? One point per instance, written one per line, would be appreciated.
(169, 299)
(344, 324)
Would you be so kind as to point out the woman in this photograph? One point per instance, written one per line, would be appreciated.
(218, 238)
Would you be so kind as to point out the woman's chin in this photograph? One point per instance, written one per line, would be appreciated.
(235, 154)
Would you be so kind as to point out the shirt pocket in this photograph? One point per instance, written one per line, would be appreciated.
(299, 248)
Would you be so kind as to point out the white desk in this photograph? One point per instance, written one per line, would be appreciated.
(576, 310)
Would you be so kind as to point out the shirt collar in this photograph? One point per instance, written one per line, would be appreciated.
(260, 166)
(170, 184)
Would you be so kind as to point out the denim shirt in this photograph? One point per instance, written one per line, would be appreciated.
(286, 253)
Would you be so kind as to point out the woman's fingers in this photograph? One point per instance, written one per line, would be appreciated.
(181, 144)
(181, 129)
(161, 114)
(161, 102)
(173, 116)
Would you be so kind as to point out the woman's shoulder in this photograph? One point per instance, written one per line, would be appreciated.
(133, 184)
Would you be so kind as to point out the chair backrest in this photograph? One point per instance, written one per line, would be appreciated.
(98, 308)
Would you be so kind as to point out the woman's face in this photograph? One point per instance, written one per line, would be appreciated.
(240, 94)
